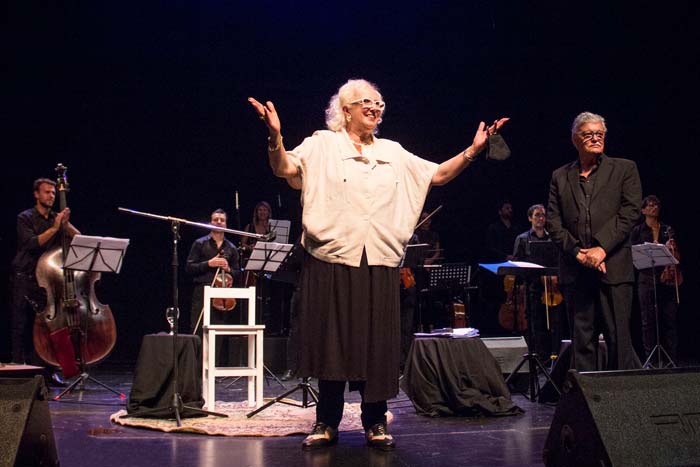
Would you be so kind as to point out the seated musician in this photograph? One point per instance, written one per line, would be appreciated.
(210, 254)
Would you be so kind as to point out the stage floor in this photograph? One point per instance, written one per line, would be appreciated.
(85, 436)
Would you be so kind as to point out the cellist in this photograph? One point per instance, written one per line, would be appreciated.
(37, 232)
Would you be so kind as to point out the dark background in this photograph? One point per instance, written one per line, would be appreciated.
(146, 105)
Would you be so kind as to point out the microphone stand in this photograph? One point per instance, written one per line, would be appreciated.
(172, 314)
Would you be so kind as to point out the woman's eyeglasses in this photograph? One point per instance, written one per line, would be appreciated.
(369, 103)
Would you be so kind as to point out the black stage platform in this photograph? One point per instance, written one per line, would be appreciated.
(85, 436)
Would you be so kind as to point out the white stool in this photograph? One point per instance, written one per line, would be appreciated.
(254, 334)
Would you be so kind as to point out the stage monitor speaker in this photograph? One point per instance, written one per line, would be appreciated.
(627, 418)
(508, 352)
(26, 435)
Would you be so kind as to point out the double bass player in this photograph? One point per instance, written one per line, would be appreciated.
(37, 232)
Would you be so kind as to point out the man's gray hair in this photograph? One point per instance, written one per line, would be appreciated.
(587, 117)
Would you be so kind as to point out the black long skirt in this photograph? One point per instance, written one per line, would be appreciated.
(349, 325)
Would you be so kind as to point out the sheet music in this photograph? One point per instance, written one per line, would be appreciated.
(643, 254)
(494, 267)
(281, 229)
(267, 256)
(99, 254)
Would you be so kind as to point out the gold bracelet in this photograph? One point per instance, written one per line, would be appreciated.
(469, 158)
(277, 146)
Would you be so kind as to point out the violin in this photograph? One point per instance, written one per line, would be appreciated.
(223, 279)
(511, 315)
(551, 295)
(407, 278)
(671, 275)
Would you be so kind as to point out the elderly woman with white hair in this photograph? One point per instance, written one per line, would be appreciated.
(361, 198)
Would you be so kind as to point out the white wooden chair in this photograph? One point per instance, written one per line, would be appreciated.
(254, 333)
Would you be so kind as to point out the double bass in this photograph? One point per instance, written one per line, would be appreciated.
(73, 329)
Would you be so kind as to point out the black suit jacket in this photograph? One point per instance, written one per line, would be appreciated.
(615, 208)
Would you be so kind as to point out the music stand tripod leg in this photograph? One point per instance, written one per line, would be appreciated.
(81, 380)
(306, 389)
(658, 348)
(173, 314)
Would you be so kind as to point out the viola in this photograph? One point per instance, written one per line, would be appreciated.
(551, 295)
(511, 315)
(74, 329)
(223, 279)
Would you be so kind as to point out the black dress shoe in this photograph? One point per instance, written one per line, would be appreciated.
(378, 437)
(321, 436)
(55, 381)
(289, 374)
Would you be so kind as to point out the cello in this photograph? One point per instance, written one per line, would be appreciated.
(74, 329)
(511, 314)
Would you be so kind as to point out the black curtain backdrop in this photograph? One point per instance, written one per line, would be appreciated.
(145, 103)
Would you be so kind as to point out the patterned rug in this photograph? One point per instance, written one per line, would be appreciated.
(276, 420)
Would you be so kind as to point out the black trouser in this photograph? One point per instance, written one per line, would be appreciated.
(331, 402)
(22, 318)
(23, 286)
(595, 307)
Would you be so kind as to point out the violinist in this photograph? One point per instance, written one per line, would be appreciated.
(210, 254)
(425, 235)
(542, 325)
(260, 225)
(37, 230)
(652, 230)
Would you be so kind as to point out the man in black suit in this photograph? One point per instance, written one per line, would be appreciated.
(593, 204)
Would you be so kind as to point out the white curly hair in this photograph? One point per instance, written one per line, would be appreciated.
(348, 92)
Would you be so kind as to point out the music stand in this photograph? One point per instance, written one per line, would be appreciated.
(281, 228)
(172, 313)
(650, 255)
(448, 276)
(528, 271)
(267, 257)
(453, 277)
(93, 254)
